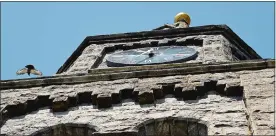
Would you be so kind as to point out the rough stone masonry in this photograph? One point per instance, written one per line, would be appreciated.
(231, 93)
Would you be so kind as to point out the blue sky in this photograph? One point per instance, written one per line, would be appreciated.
(46, 33)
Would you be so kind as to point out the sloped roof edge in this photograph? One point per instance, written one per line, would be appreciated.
(143, 35)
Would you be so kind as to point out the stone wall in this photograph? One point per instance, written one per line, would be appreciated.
(210, 48)
(224, 116)
(259, 90)
(134, 101)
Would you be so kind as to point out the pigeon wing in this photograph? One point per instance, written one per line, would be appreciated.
(36, 72)
(22, 71)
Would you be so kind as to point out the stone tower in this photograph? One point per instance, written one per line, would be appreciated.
(201, 80)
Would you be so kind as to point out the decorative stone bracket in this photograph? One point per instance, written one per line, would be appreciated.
(140, 94)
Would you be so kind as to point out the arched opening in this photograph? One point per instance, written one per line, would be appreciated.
(66, 130)
(172, 127)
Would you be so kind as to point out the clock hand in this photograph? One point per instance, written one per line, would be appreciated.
(151, 51)
(148, 51)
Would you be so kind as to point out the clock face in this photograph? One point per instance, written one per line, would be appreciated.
(151, 55)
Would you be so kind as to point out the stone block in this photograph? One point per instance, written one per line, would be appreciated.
(32, 105)
(104, 101)
(270, 63)
(146, 97)
(60, 104)
(94, 98)
(16, 109)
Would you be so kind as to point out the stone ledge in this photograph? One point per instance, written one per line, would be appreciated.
(148, 71)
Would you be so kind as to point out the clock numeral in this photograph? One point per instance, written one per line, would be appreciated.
(147, 61)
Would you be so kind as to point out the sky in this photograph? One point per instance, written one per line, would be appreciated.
(45, 34)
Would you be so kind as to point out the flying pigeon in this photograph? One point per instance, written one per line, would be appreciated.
(29, 69)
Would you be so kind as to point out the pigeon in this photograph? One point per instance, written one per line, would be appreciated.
(29, 69)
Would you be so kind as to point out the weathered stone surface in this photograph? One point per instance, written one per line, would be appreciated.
(259, 100)
(270, 64)
(111, 120)
(231, 111)
(124, 86)
(156, 72)
(215, 94)
(214, 49)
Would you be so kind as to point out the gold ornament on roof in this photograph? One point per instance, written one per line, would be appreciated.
(182, 17)
(181, 20)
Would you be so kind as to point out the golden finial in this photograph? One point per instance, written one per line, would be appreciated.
(182, 17)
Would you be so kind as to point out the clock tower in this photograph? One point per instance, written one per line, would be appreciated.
(171, 81)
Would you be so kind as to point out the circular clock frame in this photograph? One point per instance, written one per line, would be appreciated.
(151, 55)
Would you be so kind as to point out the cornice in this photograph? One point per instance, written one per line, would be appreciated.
(138, 72)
